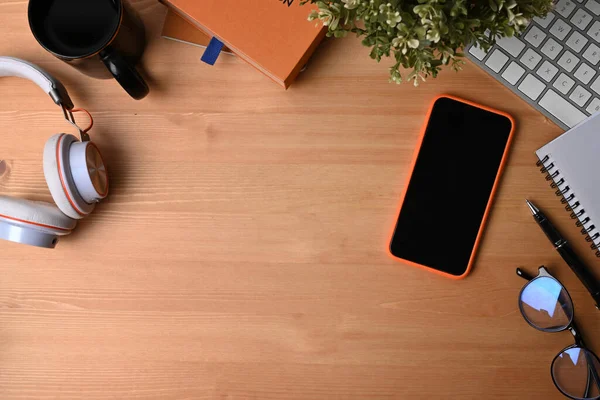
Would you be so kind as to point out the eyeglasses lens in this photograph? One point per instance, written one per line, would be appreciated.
(546, 304)
(575, 373)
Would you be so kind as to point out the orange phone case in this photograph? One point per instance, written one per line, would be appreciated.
(492, 194)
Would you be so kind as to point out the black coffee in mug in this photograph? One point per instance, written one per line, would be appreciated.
(93, 36)
(75, 27)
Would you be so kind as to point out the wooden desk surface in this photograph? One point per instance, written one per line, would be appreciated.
(241, 254)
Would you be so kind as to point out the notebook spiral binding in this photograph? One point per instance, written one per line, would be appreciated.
(592, 235)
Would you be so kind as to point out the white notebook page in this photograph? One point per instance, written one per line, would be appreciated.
(576, 159)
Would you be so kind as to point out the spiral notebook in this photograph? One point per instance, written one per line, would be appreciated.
(570, 162)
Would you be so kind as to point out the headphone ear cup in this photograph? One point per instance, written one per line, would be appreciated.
(32, 222)
(38, 213)
(58, 175)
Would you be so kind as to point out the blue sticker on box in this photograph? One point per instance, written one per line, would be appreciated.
(212, 51)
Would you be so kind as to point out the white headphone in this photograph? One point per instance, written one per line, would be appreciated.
(74, 171)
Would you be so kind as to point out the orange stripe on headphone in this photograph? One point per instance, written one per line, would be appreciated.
(35, 223)
(62, 179)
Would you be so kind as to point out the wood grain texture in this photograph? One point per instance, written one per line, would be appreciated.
(241, 254)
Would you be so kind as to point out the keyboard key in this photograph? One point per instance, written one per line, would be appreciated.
(478, 52)
(511, 44)
(547, 71)
(551, 48)
(531, 59)
(592, 54)
(585, 73)
(568, 61)
(563, 83)
(535, 36)
(513, 73)
(565, 7)
(576, 41)
(561, 108)
(594, 31)
(544, 22)
(593, 6)
(594, 106)
(560, 29)
(581, 19)
(496, 60)
(580, 96)
(532, 87)
(596, 85)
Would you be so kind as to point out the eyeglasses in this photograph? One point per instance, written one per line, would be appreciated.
(547, 306)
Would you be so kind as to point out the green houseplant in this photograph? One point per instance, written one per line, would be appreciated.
(424, 35)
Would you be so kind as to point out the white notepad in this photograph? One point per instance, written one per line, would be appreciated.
(571, 162)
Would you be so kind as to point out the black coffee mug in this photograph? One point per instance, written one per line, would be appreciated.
(93, 36)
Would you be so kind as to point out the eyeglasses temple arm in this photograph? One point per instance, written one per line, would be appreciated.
(588, 385)
(524, 274)
(593, 372)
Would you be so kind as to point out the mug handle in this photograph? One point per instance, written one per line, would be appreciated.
(125, 74)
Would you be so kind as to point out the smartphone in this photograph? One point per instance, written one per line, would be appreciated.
(455, 172)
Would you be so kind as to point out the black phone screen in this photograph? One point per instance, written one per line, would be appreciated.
(451, 185)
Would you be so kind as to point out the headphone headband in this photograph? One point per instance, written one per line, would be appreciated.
(10, 66)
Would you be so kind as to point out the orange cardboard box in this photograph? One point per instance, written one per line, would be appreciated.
(274, 36)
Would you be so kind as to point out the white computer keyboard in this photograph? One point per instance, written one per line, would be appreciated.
(554, 64)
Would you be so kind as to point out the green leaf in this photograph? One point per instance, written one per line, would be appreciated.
(424, 35)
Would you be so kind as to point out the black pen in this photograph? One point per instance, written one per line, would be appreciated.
(566, 252)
